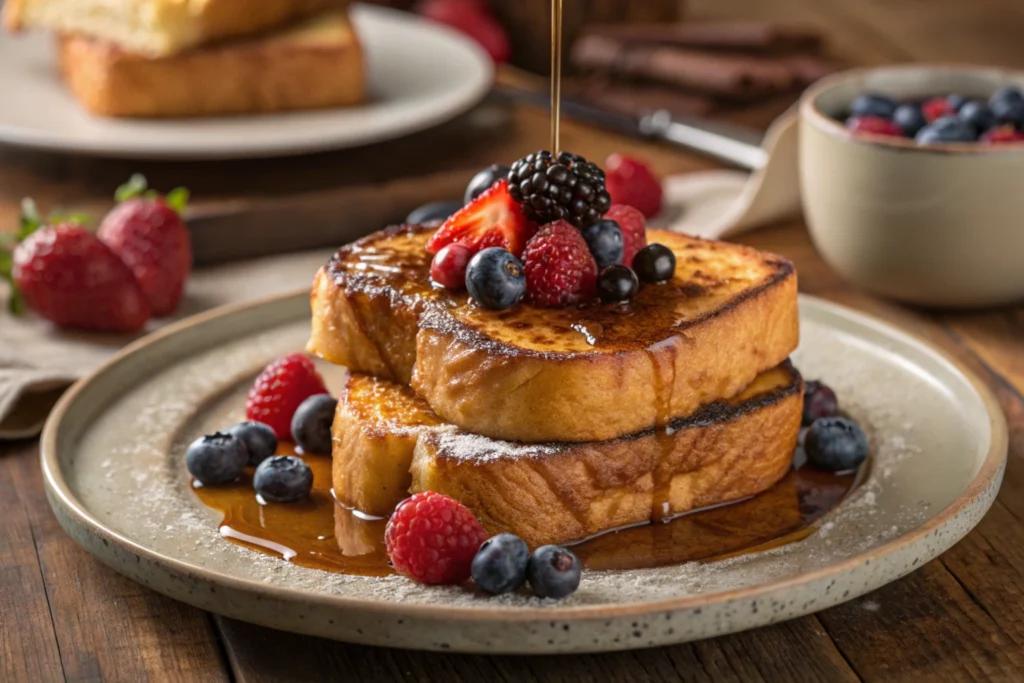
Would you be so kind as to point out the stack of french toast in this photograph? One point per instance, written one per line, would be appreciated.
(181, 58)
(558, 423)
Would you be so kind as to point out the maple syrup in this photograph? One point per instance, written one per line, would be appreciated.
(323, 534)
(556, 73)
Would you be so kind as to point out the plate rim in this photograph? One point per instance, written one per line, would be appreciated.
(58, 492)
(34, 139)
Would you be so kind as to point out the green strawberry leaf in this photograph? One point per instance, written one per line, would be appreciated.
(16, 304)
(30, 219)
(135, 187)
(75, 217)
(177, 199)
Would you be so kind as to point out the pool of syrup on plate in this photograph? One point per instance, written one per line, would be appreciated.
(322, 534)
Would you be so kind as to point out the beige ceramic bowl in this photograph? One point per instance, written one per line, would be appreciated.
(938, 225)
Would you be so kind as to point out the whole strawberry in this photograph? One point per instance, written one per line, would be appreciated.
(560, 271)
(147, 232)
(433, 539)
(74, 280)
(634, 230)
(631, 181)
(279, 390)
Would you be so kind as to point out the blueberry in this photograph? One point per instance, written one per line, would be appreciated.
(1006, 94)
(1009, 111)
(654, 263)
(836, 444)
(617, 283)
(494, 277)
(283, 479)
(435, 211)
(956, 101)
(873, 104)
(553, 572)
(605, 241)
(909, 118)
(819, 401)
(483, 180)
(216, 458)
(978, 115)
(500, 564)
(946, 129)
(311, 423)
(259, 439)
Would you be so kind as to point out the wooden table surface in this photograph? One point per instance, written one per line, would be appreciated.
(65, 616)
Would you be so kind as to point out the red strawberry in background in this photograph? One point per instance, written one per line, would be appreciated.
(472, 18)
(73, 279)
(631, 181)
(147, 232)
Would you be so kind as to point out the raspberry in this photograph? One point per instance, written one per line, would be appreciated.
(432, 538)
(936, 108)
(279, 389)
(630, 181)
(634, 230)
(1002, 134)
(560, 271)
(874, 125)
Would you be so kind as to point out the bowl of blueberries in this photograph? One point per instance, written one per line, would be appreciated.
(912, 181)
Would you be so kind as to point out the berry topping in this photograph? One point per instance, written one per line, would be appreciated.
(819, 401)
(216, 458)
(435, 212)
(74, 280)
(655, 263)
(936, 108)
(631, 181)
(553, 572)
(259, 439)
(978, 115)
(909, 118)
(634, 230)
(500, 564)
(946, 129)
(1002, 134)
(496, 279)
(311, 424)
(617, 283)
(493, 219)
(559, 269)
(448, 268)
(604, 239)
(872, 104)
(569, 188)
(1005, 103)
(147, 232)
(279, 389)
(956, 101)
(483, 181)
(836, 444)
(875, 125)
(433, 539)
(1009, 111)
(283, 479)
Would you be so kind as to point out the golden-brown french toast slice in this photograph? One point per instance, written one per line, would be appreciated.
(388, 440)
(536, 375)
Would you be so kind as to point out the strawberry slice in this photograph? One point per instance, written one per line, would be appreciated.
(493, 219)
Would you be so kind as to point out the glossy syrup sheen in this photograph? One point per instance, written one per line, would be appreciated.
(322, 534)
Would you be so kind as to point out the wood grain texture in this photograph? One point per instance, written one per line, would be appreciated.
(795, 651)
(105, 627)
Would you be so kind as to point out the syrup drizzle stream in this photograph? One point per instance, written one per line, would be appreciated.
(556, 73)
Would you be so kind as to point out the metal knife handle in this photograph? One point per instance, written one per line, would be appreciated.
(733, 144)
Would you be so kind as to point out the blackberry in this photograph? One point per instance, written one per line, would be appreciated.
(569, 187)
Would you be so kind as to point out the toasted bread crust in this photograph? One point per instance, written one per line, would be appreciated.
(158, 28)
(308, 67)
(537, 375)
(562, 492)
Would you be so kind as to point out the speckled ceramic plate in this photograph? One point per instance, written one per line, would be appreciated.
(112, 460)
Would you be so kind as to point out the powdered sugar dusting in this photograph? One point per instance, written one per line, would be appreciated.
(459, 445)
